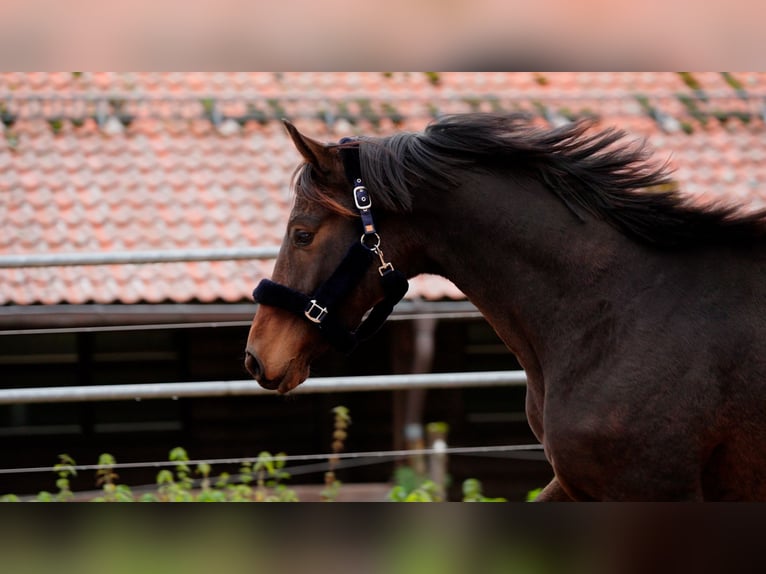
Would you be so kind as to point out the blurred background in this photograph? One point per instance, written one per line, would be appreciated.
(342, 34)
(199, 163)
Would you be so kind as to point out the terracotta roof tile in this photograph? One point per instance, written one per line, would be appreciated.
(172, 179)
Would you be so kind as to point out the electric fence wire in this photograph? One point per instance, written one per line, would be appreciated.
(370, 457)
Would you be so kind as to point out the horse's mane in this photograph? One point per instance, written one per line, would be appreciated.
(601, 172)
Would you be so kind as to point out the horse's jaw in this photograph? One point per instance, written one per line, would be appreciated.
(292, 378)
(282, 381)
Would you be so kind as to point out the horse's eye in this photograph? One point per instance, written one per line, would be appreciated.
(302, 238)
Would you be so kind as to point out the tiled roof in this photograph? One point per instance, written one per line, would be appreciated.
(148, 161)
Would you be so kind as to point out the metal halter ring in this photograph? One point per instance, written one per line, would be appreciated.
(375, 237)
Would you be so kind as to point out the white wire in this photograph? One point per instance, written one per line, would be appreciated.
(287, 458)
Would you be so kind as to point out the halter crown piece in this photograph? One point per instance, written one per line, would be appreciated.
(321, 307)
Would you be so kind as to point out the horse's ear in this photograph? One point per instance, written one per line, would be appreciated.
(314, 152)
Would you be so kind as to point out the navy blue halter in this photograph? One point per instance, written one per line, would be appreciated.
(322, 306)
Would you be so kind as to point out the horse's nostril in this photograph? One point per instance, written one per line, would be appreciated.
(253, 365)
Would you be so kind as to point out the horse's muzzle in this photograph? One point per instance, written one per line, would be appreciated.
(255, 368)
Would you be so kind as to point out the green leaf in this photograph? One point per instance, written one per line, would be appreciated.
(66, 466)
(437, 428)
(165, 477)
(280, 460)
(106, 459)
(342, 413)
(471, 488)
(532, 494)
(179, 454)
(433, 77)
(44, 496)
(264, 462)
(223, 480)
(123, 493)
(211, 496)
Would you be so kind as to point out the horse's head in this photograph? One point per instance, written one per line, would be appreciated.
(325, 278)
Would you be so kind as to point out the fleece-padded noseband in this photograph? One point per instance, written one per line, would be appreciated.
(322, 306)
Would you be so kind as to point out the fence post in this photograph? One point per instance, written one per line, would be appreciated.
(436, 434)
(413, 440)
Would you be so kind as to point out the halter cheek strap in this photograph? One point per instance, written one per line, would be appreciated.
(321, 307)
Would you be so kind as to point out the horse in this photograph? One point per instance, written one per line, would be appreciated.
(638, 315)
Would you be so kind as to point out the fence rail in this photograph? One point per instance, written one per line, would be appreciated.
(137, 392)
(123, 257)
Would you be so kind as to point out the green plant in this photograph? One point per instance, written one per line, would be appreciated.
(693, 84)
(410, 486)
(240, 491)
(533, 494)
(6, 117)
(56, 124)
(259, 480)
(495, 104)
(207, 493)
(473, 103)
(541, 109)
(687, 127)
(278, 111)
(693, 109)
(269, 472)
(434, 78)
(425, 491)
(12, 139)
(368, 112)
(175, 488)
(254, 113)
(407, 479)
(208, 106)
(472, 492)
(343, 113)
(64, 469)
(433, 110)
(106, 477)
(390, 111)
(647, 107)
(735, 84)
(341, 422)
(178, 485)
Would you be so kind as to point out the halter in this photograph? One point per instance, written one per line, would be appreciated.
(321, 307)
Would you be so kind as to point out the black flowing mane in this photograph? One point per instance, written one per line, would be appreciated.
(602, 173)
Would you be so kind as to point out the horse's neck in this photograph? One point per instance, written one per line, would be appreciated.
(524, 260)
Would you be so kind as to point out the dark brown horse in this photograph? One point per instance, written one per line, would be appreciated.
(640, 320)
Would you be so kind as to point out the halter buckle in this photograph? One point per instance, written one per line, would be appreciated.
(362, 198)
(315, 312)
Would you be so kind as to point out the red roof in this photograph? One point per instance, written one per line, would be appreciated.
(147, 161)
